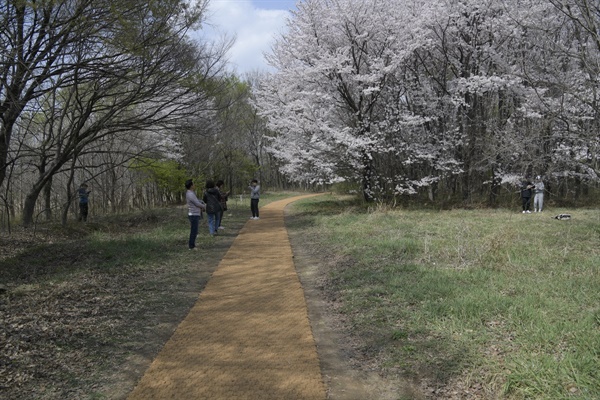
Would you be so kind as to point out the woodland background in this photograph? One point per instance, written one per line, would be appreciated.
(448, 102)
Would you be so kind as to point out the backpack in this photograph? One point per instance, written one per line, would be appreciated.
(213, 205)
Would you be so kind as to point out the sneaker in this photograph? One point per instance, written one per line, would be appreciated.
(256, 218)
(523, 212)
(221, 227)
(528, 212)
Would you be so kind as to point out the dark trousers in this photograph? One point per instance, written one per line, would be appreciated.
(254, 207)
(83, 211)
(194, 222)
(526, 203)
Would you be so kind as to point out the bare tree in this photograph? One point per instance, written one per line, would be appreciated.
(137, 72)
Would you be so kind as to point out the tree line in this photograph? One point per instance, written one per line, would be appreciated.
(117, 95)
(450, 101)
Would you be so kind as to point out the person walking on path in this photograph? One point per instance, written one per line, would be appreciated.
(526, 192)
(254, 198)
(83, 194)
(538, 191)
(195, 208)
(224, 198)
(212, 198)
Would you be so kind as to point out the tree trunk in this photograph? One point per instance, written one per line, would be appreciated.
(3, 157)
(48, 200)
(367, 177)
(69, 200)
(29, 205)
(8, 122)
(495, 188)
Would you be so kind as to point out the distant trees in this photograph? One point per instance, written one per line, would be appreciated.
(230, 145)
(449, 100)
(452, 98)
(86, 78)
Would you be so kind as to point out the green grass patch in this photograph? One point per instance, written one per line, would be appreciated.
(486, 298)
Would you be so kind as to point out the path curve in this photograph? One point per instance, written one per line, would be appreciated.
(248, 336)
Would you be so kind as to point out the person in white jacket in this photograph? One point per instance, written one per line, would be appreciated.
(538, 192)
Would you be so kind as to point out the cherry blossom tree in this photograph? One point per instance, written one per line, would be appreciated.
(463, 96)
(327, 103)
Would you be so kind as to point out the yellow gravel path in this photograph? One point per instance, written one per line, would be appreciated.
(248, 336)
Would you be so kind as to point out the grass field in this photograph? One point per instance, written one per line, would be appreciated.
(485, 304)
(478, 304)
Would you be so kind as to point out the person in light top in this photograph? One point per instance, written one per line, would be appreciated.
(538, 193)
(254, 198)
(195, 209)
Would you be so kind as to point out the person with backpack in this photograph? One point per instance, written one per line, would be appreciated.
(214, 210)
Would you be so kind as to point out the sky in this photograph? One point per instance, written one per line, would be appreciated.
(254, 23)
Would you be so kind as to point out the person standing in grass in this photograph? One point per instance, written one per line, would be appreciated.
(83, 194)
(526, 192)
(195, 208)
(538, 192)
(224, 198)
(254, 198)
(212, 198)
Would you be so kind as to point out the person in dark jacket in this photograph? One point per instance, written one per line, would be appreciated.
(212, 198)
(83, 194)
(526, 193)
(224, 198)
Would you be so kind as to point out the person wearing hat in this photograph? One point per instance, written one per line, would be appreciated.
(195, 208)
(83, 194)
(538, 192)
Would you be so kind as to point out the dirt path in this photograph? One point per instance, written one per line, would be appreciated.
(248, 336)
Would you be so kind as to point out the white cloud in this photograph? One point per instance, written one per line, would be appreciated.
(254, 29)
